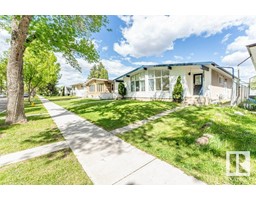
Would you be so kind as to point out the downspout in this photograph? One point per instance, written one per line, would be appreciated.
(238, 73)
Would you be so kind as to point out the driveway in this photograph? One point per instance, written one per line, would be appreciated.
(3, 102)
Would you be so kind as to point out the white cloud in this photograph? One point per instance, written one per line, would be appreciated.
(178, 58)
(169, 61)
(153, 35)
(4, 35)
(145, 63)
(225, 38)
(236, 52)
(116, 68)
(105, 48)
(69, 75)
(126, 18)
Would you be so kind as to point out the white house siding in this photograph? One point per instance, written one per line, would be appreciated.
(214, 88)
(187, 81)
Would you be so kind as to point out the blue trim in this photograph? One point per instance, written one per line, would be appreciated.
(177, 64)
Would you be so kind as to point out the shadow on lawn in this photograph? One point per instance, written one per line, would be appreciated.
(45, 137)
(234, 133)
(116, 114)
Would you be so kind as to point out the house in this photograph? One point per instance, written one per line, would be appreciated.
(64, 90)
(203, 83)
(99, 89)
(78, 89)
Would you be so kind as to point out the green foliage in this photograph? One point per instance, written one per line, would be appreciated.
(249, 104)
(69, 35)
(121, 89)
(3, 66)
(177, 93)
(98, 71)
(253, 83)
(40, 68)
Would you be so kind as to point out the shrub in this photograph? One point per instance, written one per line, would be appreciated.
(121, 89)
(249, 104)
(177, 93)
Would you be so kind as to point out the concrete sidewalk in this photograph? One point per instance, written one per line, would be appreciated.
(109, 160)
(31, 153)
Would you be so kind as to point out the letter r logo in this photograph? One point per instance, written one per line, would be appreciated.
(238, 163)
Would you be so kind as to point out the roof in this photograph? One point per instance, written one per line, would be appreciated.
(78, 84)
(252, 51)
(98, 79)
(178, 65)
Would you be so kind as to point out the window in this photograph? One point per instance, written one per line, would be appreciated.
(142, 85)
(151, 84)
(158, 73)
(221, 80)
(137, 86)
(165, 72)
(151, 74)
(92, 88)
(132, 86)
(138, 82)
(100, 87)
(158, 83)
(160, 78)
(165, 83)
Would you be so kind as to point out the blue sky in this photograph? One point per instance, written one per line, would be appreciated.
(138, 40)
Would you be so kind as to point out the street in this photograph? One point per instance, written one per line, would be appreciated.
(3, 102)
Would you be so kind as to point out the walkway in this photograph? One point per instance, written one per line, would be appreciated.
(142, 122)
(108, 159)
(31, 153)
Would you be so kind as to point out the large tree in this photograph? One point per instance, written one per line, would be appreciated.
(70, 35)
(98, 71)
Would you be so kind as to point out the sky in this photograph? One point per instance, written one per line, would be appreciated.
(142, 40)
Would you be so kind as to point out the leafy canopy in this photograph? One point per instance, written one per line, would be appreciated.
(98, 71)
(40, 67)
(69, 35)
(3, 65)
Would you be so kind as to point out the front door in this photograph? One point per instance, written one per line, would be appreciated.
(198, 84)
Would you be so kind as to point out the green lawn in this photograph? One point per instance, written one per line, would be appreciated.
(112, 114)
(39, 130)
(59, 168)
(172, 139)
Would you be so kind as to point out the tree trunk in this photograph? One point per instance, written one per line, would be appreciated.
(15, 85)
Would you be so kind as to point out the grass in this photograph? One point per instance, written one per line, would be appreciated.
(172, 139)
(58, 168)
(39, 130)
(113, 114)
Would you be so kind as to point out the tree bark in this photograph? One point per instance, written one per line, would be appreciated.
(15, 85)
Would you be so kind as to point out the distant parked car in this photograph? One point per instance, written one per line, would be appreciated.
(26, 95)
(2, 95)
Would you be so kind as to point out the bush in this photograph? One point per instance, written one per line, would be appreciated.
(249, 104)
(177, 93)
(121, 89)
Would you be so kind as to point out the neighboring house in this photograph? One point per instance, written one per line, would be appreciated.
(64, 90)
(99, 89)
(79, 90)
(203, 82)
